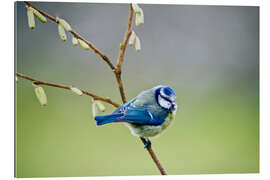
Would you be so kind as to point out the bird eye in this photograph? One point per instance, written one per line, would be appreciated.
(164, 103)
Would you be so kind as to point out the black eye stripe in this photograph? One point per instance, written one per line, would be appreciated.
(166, 98)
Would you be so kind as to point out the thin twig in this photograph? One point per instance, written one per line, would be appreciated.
(118, 70)
(38, 82)
(126, 37)
(155, 158)
(105, 58)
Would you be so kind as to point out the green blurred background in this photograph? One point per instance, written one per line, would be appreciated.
(208, 54)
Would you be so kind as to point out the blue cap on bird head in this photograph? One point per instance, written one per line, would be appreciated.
(166, 97)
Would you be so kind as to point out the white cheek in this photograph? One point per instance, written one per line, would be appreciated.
(164, 103)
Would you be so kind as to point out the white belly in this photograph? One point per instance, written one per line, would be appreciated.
(144, 130)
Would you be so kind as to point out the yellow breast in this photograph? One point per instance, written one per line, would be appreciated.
(168, 120)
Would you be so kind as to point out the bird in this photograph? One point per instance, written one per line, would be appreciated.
(146, 115)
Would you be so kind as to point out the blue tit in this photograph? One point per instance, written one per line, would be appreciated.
(146, 115)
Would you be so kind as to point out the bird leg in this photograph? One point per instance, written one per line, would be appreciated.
(148, 143)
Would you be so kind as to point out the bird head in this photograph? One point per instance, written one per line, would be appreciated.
(166, 98)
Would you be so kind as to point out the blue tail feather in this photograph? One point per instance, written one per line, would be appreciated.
(101, 120)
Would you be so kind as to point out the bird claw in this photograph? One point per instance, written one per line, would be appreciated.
(147, 144)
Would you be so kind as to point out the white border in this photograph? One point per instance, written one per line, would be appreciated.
(7, 87)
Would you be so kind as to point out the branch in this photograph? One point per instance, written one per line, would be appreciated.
(105, 58)
(126, 37)
(118, 70)
(38, 82)
(155, 158)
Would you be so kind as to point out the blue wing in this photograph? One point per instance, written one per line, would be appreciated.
(140, 116)
(127, 113)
